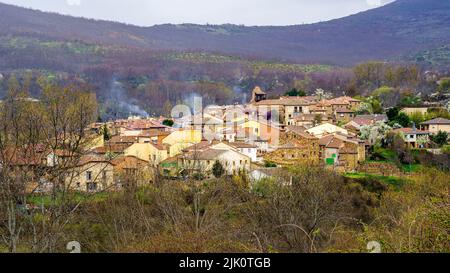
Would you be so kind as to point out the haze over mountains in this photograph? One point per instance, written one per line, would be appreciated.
(402, 28)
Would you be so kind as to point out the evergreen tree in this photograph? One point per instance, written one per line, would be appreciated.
(218, 169)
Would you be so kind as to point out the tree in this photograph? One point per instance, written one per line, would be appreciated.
(168, 122)
(377, 108)
(105, 132)
(401, 149)
(392, 113)
(295, 93)
(301, 212)
(317, 119)
(410, 100)
(167, 108)
(441, 138)
(403, 120)
(395, 116)
(444, 85)
(417, 118)
(31, 131)
(218, 169)
(364, 109)
(375, 133)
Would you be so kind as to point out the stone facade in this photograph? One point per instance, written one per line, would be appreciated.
(295, 148)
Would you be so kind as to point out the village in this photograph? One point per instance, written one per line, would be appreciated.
(253, 140)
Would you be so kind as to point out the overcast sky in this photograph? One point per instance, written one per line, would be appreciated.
(247, 12)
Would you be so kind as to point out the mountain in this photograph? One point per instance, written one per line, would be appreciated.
(402, 28)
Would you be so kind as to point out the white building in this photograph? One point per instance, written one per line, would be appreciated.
(325, 129)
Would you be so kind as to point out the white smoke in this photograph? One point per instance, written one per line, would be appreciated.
(119, 96)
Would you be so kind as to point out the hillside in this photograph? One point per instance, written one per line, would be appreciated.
(404, 28)
(136, 69)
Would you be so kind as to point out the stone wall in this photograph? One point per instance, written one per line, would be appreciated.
(380, 168)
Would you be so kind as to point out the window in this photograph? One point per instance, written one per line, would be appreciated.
(104, 176)
(91, 186)
(89, 176)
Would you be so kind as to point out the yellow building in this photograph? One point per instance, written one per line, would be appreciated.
(92, 174)
(183, 136)
(436, 125)
(153, 153)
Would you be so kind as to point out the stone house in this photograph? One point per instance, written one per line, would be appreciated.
(341, 153)
(296, 147)
(343, 115)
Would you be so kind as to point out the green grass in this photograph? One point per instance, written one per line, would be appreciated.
(446, 149)
(394, 181)
(389, 156)
(411, 168)
(386, 155)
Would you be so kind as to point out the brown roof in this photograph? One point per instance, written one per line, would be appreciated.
(22, 157)
(202, 145)
(325, 140)
(111, 148)
(143, 124)
(240, 144)
(299, 130)
(154, 133)
(341, 100)
(208, 154)
(86, 159)
(362, 121)
(128, 162)
(335, 143)
(437, 121)
(123, 139)
(288, 101)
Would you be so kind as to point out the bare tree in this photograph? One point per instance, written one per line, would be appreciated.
(41, 142)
